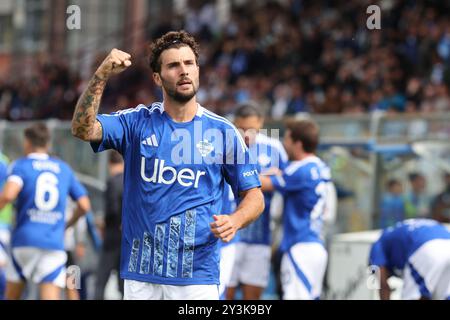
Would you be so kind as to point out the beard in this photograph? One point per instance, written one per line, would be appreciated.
(176, 95)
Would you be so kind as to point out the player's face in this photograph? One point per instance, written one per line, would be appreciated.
(249, 127)
(179, 75)
(288, 144)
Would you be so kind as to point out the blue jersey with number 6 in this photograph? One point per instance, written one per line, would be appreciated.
(45, 182)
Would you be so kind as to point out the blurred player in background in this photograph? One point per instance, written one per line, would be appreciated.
(253, 256)
(418, 251)
(112, 232)
(41, 185)
(172, 203)
(304, 186)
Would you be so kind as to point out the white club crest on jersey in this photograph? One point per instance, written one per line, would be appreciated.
(205, 147)
(150, 141)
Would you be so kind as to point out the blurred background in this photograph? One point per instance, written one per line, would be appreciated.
(380, 96)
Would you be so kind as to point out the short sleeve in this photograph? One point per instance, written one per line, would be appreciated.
(114, 129)
(16, 173)
(117, 129)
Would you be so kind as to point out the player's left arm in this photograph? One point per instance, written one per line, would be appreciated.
(251, 206)
(83, 207)
(10, 192)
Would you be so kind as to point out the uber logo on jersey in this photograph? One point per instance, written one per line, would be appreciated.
(162, 174)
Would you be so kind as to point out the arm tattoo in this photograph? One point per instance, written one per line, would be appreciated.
(84, 123)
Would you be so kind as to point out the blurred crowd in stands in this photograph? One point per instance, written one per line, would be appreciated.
(398, 203)
(301, 56)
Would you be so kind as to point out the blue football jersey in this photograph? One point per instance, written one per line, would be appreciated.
(41, 204)
(269, 153)
(174, 180)
(303, 185)
(396, 244)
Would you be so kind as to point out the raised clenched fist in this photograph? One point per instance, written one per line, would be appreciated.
(116, 62)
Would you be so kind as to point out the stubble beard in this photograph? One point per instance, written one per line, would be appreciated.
(178, 96)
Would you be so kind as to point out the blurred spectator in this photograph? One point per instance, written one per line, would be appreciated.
(392, 204)
(440, 210)
(417, 203)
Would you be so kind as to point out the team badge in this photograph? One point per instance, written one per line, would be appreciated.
(204, 147)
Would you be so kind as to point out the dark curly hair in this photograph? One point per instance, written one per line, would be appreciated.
(172, 39)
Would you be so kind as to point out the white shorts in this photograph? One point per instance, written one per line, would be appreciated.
(252, 265)
(428, 272)
(37, 265)
(227, 257)
(302, 271)
(137, 290)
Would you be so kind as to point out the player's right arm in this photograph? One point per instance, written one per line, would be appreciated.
(84, 123)
(10, 192)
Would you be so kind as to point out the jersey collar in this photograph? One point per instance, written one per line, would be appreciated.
(199, 110)
(199, 113)
(38, 156)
